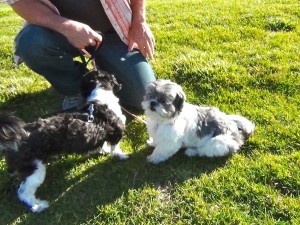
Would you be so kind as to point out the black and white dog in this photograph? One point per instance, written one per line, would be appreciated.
(27, 147)
(173, 123)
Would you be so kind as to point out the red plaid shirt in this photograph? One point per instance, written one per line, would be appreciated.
(119, 14)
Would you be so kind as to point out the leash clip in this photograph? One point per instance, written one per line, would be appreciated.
(90, 115)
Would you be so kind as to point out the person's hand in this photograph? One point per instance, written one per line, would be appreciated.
(140, 36)
(80, 35)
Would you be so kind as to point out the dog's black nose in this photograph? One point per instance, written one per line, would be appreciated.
(152, 105)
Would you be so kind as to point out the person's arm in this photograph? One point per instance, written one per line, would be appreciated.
(43, 13)
(140, 36)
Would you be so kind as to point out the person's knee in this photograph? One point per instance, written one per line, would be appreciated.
(29, 41)
(134, 89)
(131, 69)
(34, 42)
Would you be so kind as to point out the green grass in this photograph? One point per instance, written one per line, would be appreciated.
(241, 56)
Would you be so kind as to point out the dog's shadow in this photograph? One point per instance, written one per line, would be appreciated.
(105, 182)
(104, 179)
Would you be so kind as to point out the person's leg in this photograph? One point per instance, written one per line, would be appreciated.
(130, 68)
(49, 54)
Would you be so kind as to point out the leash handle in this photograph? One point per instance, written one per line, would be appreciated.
(92, 55)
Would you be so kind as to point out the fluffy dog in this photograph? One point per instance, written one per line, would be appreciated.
(28, 147)
(173, 123)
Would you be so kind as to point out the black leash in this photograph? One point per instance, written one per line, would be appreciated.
(138, 118)
(91, 57)
(91, 52)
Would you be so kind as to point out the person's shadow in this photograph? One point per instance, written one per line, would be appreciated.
(79, 197)
(34, 105)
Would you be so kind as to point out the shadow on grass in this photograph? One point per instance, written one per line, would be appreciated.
(75, 198)
(34, 105)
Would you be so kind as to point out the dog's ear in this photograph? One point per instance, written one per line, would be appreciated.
(152, 85)
(117, 87)
(115, 84)
(88, 83)
(179, 101)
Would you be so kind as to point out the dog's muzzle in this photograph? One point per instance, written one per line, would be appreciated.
(153, 105)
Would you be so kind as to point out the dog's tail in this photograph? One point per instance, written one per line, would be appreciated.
(11, 131)
(245, 126)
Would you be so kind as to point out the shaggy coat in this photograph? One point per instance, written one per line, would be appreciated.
(29, 146)
(173, 123)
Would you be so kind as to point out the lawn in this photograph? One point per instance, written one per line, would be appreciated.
(241, 56)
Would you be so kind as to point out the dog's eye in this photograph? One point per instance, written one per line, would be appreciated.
(162, 101)
(148, 96)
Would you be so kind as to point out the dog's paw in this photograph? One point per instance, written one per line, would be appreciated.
(120, 155)
(191, 152)
(150, 142)
(114, 150)
(39, 206)
(155, 159)
(105, 149)
(117, 152)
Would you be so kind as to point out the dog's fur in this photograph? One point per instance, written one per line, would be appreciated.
(173, 123)
(28, 147)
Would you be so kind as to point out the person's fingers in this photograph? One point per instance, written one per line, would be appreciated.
(152, 44)
(146, 47)
(149, 45)
(153, 40)
(146, 51)
(149, 48)
(131, 45)
(92, 42)
(152, 47)
(95, 39)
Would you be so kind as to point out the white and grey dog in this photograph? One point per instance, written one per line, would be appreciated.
(173, 123)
